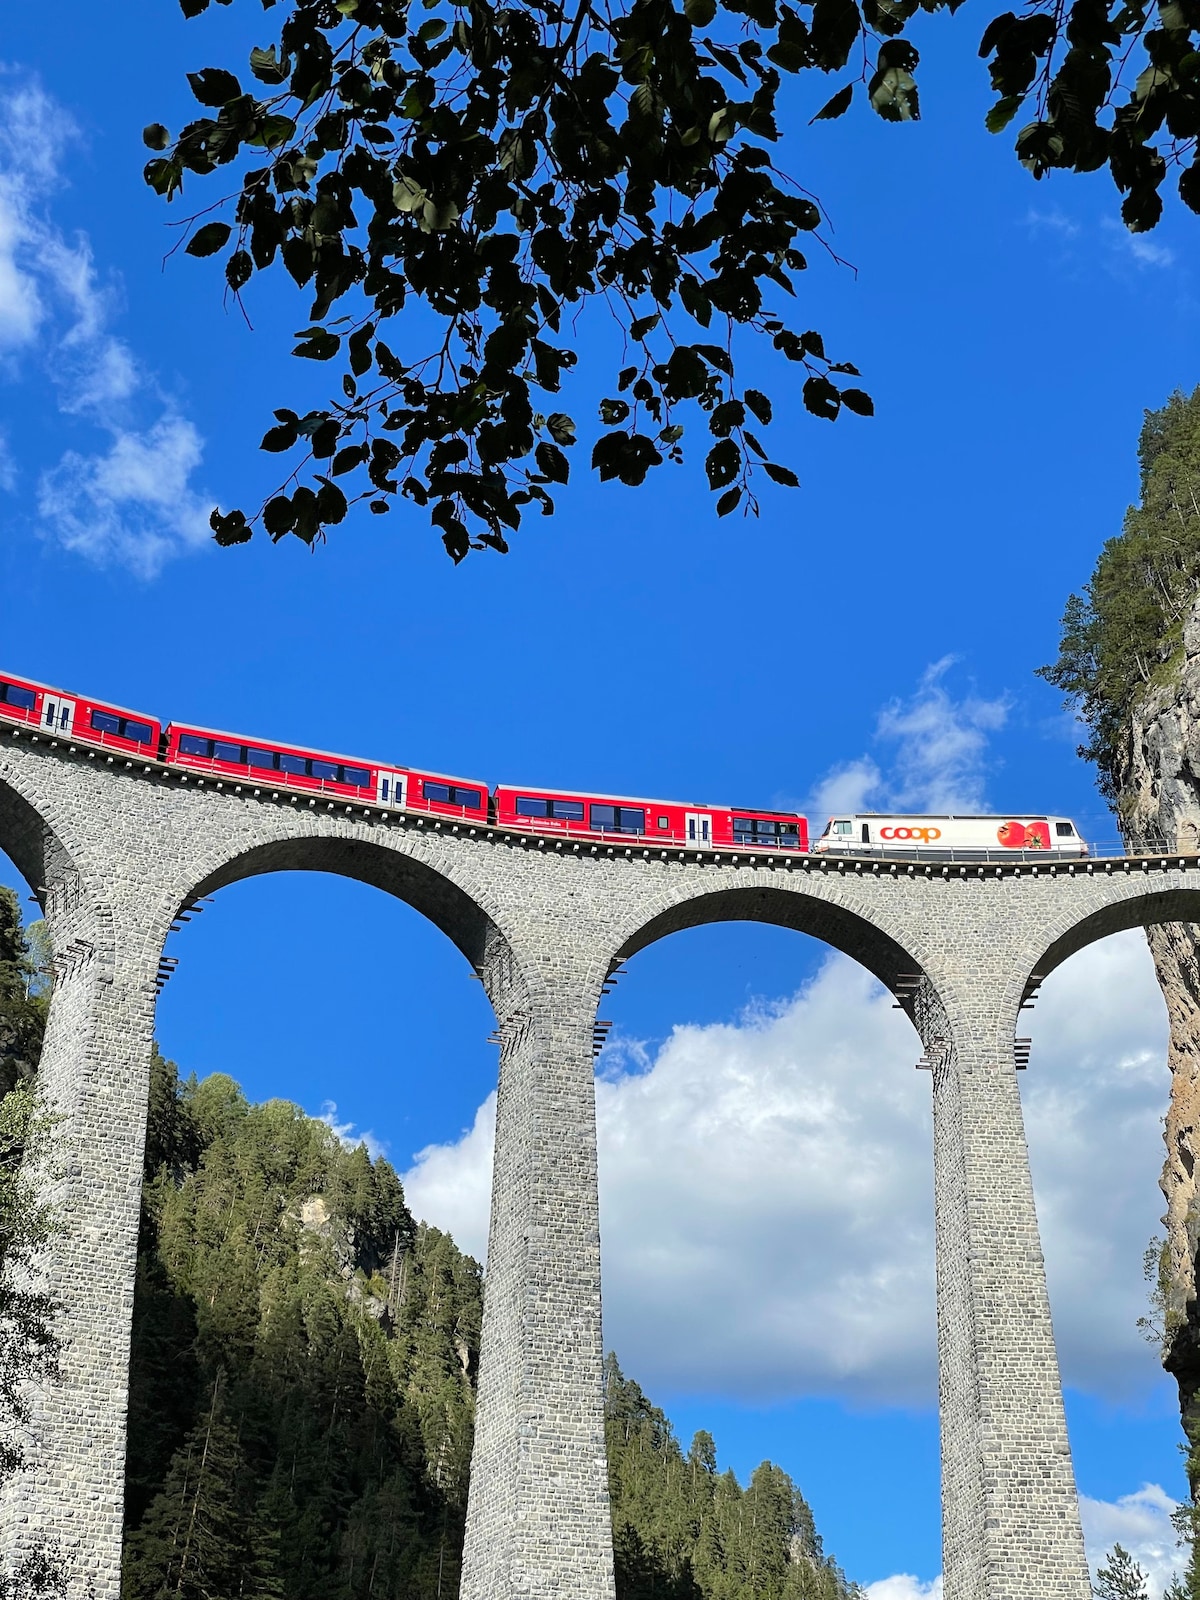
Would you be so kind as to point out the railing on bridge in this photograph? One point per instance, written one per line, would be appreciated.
(1097, 850)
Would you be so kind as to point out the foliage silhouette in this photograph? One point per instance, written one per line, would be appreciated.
(454, 181)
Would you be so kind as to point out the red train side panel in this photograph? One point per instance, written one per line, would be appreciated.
(557, 811)
(70, 716)
(444, 796)
(262, 762)
(268, 762)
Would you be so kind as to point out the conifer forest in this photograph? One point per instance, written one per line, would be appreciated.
(303, 1375)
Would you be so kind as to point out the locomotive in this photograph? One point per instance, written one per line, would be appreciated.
(958, 838)
(264, 763)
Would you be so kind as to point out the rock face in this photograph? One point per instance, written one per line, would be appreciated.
(1158, 785)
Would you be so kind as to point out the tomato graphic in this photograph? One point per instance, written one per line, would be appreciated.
(1012, 835)
(1037, 836)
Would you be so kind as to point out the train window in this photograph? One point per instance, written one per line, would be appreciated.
(1064, 830)
(529, 806)
(191, 745)
(234, 753)
(567, 810)
(451, 794)
(16, 696)
(664, 822)
(263, 759)
(618, 819)
(359, 776)
(324, 769)
(746, 830)
(298, 765)
(105, 722)
(139, 732)
(842, 827)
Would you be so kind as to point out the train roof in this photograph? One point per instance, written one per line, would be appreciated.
(960, 816)
(72, 694)
(310, 750)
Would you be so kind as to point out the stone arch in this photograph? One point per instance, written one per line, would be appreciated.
(822, 916)
(32, 836)
(1139, 907)
(432, 893)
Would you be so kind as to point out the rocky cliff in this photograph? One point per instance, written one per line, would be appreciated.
(1157, 773)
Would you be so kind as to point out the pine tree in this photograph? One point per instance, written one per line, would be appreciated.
(24, 997)
(681, 1531)
(199, 1539)
(1120, 1578)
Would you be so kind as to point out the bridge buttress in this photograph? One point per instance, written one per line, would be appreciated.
(94, 1078)
(538, 1518)
(1010, 1512)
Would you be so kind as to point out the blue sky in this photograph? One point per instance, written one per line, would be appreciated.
(873, 636)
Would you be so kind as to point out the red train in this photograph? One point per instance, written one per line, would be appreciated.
(266, 763)
(70, 716)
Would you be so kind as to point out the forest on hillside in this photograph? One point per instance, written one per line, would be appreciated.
(302, 1381)
(1124, 631)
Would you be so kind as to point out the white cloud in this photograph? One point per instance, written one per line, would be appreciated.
(348, 1133)
(450, 1185)
(767, 1183)
(8, 467)
(1095, 1094)
(937, 747)
(904, 1587)
(131, 501)
(1148, 254)
(940, 743)
(850, 787)
(1052, 221)
(1140, 1523)
(132, 504)
(1139, 247)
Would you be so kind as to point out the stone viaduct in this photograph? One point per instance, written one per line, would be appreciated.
(117, 849)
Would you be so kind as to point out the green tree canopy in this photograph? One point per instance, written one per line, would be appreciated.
(682, 1531)
(454, 181)
(1123, 632)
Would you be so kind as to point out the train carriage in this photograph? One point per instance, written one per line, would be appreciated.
(72, 717)
(558, 811)
(261, 762)
(444, 796)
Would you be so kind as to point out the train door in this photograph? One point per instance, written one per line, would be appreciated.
(58, 713)
(389, 788)
(699, 828)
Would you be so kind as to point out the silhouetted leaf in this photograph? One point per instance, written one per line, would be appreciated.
(206, 241)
